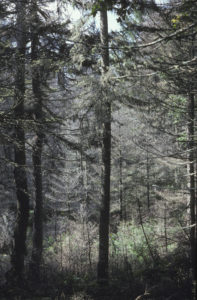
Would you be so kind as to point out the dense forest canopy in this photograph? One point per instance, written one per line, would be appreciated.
(98, 161)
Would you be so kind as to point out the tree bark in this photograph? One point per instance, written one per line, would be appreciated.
(37, 152)
(191, 149)
(192, 175)
(103, 263)
(20, 176)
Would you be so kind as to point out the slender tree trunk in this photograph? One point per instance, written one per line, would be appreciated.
(191, 148)
(195, 233)
(192, 162)
(121, 187)
(144, 232)
(103, 264)
(148, 162)
(37, 152)
(19, 249)
(165, 226)
(121, 200)
(148, 179)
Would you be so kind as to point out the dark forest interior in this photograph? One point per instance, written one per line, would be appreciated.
(98, 149)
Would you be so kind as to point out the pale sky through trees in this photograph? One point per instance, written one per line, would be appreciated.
(75, 15)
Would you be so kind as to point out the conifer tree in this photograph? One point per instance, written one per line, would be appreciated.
(20, 176)
(37, 147)
(103, 263)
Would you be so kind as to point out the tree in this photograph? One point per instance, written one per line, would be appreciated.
(73, 132)
(37, 147)
(179, 31)
(103, 263)
(20, 175)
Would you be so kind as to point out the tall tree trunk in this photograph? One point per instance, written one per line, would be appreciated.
(19, 249)
(37, 152)
(191, 148)
(103, 267)
(192, 162)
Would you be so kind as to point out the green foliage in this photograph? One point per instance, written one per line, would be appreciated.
(167, 274)
(182, 137)
(98, 5)
(95, 8)
(178, 104)
(130, 242)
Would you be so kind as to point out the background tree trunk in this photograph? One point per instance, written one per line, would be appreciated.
(20, 176)
(121, 187)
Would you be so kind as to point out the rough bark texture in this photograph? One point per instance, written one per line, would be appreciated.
(192, 162)
(191, 148)
(37, 153)
(106, 159)
(19, 249)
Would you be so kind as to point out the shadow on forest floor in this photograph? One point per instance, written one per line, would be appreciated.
(88, 293)
(170, 279)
